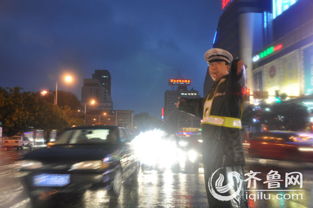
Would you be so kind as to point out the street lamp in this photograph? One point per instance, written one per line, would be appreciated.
(104, 114)
(91, 102)
(44, 92)
(66, 78)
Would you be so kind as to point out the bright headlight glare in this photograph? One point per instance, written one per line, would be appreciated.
(28, 164)
(192, 155)
(305, 149)
(182, 143)
(90, 165)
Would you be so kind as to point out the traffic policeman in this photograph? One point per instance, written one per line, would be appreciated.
(221, 124)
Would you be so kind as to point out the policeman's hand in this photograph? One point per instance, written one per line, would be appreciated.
(237, 66)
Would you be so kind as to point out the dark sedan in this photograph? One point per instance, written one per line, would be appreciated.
(81, 158)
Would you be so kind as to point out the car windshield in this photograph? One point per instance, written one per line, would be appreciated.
(87, 136)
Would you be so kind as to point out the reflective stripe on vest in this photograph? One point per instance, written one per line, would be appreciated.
(222, 121)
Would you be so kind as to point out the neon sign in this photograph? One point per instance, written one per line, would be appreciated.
(279, 6)
(180, 81)
(225, 3)
(268, 51)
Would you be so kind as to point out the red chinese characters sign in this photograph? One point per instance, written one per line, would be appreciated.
(179, 81)
(225, 3)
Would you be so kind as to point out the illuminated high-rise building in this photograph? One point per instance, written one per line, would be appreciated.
(98, 88)
(177, 119)
(275, 40)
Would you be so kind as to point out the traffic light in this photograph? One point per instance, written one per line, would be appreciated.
(245, 93)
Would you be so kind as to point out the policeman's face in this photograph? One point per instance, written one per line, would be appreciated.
(218, 69)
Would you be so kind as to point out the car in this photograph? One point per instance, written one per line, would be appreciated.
(281, 145)
(189, 151)
(81, 158)
(18, 142)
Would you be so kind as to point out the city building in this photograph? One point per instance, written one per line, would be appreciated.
(122, 118)
(284, 66)
(239, 31)
(104, 77)
(99, 89)
(275, 40)
(97, 102)
(174, 118)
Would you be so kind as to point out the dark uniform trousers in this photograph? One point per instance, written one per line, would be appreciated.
(221, 151)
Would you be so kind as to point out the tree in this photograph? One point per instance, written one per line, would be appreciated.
(64, 99)
(20, 111)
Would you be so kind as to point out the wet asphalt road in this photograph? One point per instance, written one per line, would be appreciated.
(162, 189)
(154, 189)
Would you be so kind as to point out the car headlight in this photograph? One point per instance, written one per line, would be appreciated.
(305, 149)
(90, 165)
(182, 143)
(28, 164)
(192, 155)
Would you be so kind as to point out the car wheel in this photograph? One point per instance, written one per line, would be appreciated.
(116, 183)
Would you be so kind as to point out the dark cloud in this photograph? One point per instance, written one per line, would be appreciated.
(142, 42)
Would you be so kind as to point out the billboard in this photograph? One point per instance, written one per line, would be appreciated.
(279, 6)
(283, 75)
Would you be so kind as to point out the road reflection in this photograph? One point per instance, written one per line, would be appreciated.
(166, 188)
(154, 189)
(282, 195)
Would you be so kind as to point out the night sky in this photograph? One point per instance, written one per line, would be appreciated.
(142, 43)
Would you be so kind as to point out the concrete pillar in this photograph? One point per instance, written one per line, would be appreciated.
(246, 44)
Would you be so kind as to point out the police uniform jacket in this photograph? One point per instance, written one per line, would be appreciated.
(226, 102)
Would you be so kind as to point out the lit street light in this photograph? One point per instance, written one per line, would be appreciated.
(44, 92)
(68, 79)
(104, 114)
(91, 102)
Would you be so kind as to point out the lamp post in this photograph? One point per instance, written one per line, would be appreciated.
(68, 79)
(91, 102)
(56, 94)
(104, 114)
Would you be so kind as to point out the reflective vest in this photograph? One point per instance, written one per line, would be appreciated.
(224, 121)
